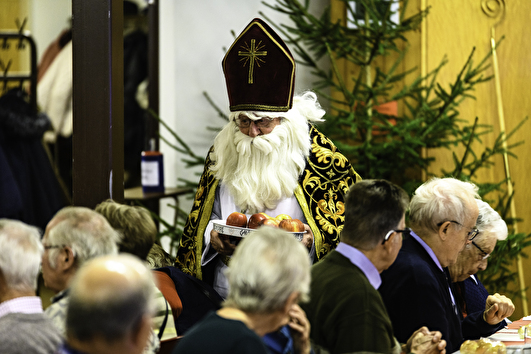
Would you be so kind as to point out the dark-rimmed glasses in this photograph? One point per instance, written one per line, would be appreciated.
(407, 229)
(245, 122)
(484, 254)
(471, 234)
(48, 247)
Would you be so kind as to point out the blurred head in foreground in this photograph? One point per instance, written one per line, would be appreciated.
(111, 305)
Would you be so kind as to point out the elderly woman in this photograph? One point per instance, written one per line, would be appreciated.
(268, 275)
(471, 295)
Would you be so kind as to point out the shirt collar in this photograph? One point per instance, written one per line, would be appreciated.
(427, 248)
(361, 261)
(59, 295)
(24, 304)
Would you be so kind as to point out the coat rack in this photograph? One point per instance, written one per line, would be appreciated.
(21, 38)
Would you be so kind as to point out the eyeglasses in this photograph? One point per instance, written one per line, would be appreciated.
(484, 254)
(245, 122)
(407, 229)
(47, 247)
(471, 234)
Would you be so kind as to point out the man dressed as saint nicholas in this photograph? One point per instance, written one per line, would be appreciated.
(268, 158)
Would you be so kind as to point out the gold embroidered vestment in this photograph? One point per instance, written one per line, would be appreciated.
(321, 194)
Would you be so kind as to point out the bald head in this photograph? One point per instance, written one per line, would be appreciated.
(110, 296)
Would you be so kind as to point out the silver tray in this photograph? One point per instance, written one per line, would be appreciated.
(222, 228)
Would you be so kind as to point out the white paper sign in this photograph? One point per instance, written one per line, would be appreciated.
(150, 173)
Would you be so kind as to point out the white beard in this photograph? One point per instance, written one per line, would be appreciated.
(261, 171)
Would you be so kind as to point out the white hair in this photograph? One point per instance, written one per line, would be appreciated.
(441, 199)
(20, 254)
(87, 232)
(266, 268)
(262, 170)
(490, 223)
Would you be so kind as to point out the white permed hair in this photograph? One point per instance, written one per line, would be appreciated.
(490, 222)
(267, 267)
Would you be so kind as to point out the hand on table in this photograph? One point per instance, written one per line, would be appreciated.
(221, 243)
(423, 342)
(300, 330)
(497, 307)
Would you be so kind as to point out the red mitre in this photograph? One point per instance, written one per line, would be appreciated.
(259, 71)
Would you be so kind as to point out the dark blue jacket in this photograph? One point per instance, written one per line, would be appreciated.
(416, 293)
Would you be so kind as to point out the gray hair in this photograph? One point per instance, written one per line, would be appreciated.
(134, 223)
(441, 199)
(372, 209)
(105, 306)
(20, 254)
(266, 268)
(158, 257)
(490, 222)
(87, 232)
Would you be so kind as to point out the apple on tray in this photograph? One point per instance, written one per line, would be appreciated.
(292, 225)
(237, 219)
(256, 220)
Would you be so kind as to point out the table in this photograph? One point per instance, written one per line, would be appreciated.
(509, 336)
(151, 200)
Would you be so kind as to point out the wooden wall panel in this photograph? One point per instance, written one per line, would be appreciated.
(453, 28)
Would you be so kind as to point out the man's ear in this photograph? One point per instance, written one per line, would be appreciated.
(390, 243)
(443, 230)
(67, 258)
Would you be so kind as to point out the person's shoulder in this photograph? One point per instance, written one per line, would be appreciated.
(409, 264)
(335, 269)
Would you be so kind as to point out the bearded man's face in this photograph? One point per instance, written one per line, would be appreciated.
(261, 166)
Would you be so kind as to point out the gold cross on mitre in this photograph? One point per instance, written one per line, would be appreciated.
(251, 55)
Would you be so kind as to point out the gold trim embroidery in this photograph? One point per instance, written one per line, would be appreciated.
(252, 56)
(318, 238)
(258, 107)
(205, 218)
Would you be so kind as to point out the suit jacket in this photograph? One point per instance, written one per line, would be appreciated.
(416, 293)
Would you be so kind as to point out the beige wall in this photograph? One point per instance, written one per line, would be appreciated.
(453, 28)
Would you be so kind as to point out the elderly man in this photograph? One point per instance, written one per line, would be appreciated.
(416, 289)
(73, 236)
(471, 296)
(111, 304)
(346, 312)
(268, 275)
(269, 158)
(23, 326)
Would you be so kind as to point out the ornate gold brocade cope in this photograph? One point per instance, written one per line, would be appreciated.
(321, 195)
(252, 55)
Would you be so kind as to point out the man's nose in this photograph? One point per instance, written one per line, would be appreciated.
(483, 265)
(253, 130)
